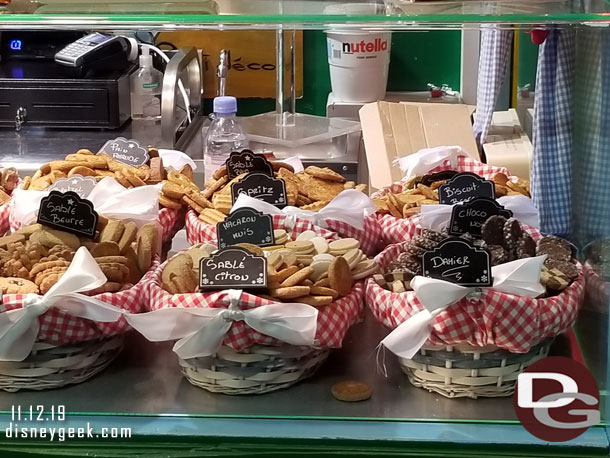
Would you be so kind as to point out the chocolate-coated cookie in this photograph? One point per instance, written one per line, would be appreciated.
(498, 254)
(567, 268)
(526, 247)
(433, 235)
(555, 248)
(425, 243)
(512, 233)
(493, 230)
(415, 250)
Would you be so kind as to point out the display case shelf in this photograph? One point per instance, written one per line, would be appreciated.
(274, 14)
(144, 390)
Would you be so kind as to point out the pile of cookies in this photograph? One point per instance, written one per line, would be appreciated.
(85, 163)
(311, 189)
(505, 241)
(423, 190)
(35, 257)
(9, 178)
(309, 270)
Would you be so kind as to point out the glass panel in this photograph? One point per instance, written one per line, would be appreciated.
(146, 379)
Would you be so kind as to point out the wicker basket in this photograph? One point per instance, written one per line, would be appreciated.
(467, 371)
(49, 366)
(257, 370)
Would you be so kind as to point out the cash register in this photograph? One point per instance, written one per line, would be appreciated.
(65, 79)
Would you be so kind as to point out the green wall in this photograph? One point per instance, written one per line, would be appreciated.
(417, 58)
(528, 59)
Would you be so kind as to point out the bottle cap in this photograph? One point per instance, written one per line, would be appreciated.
(225, 105)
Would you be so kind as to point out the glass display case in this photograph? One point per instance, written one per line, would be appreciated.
(144, 391)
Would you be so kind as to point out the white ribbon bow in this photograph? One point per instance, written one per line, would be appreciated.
(424, 160)
(202, 330)
(520, 277)
(350, 206)
(19, 327)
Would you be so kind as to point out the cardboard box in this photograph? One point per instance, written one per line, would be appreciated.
(394, 130)
(507, 145)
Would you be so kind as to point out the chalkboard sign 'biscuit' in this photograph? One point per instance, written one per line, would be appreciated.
(232, 267)
(68, 212)
(469, 217)
(464, 187)
(245, 225)
(247, 162)
(262, 187)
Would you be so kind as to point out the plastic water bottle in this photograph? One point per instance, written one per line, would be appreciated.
(223, 136)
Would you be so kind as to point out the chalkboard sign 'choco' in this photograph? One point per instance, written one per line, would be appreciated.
(68, 212)
(470, 216)
(262, 187)
(464, 187)
(247, 162)
(245, 225)
(458, 261)
(128, 152)
(232, 267)
(77, 183)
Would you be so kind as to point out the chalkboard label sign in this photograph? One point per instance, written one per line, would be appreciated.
(247, 162)
(128, 152)
(76, 183)
(66, 211)
(464, 187)
(262, 187)
(245, 225)
(232, 267)
(458, 261)
(470, 216)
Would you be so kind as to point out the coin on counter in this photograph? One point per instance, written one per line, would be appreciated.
(351, 391)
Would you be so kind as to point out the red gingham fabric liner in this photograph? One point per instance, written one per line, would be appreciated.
(171, 222)
(199, 232)
(513, 323)
(333, 320)
(370, 237)
(60, 328)
(396, 230)
(4, 218)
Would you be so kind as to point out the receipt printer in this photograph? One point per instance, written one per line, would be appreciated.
(64, 79)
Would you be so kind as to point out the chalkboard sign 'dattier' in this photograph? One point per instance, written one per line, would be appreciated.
(458, 261)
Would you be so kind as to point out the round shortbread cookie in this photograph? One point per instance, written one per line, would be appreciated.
(301, 246)
(320, 244)
(323, 257)
(319, 268)
(343, 245)
(306, 236)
